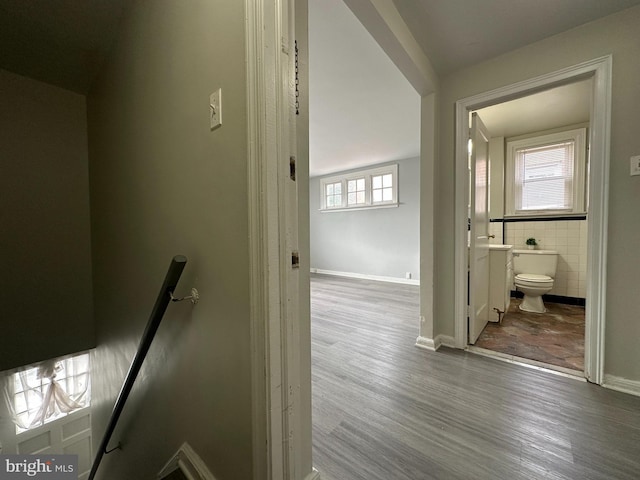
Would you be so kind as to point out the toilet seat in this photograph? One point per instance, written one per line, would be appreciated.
(533, 280)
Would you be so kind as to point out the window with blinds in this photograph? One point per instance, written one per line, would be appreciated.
(545, 175)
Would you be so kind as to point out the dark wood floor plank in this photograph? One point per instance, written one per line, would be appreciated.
(386, 410)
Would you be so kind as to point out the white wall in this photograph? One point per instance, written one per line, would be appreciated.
(382, 242)
(46, 302)
(163, 183)
(617, 35)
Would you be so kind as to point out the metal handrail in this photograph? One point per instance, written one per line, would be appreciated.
(164, 297)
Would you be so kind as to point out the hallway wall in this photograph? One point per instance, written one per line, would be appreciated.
(163, 183)
(46, 302)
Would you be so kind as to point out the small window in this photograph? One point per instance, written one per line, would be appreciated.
(50, 391)
(545, 174)
(356, 192)
(382, 188)
(333, 195)
(370, 188)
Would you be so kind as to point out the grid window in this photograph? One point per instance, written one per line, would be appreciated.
(356, 192)
(50, 391)
(367, 188)
(382, 188)
(333, 195)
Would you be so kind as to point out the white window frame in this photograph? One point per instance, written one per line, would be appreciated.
(41, 385)
(367, 174)
(578, 136)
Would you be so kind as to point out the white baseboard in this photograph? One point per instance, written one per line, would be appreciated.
(434, 344)
(314, 475)
(446, 340)
(622, 384)
(377, 278)
(426, 343)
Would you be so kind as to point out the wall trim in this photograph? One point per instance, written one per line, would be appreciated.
(363, 276)
(600, 69)
(314, 475)
(433, 344)
(427, 344)
(621, 384)
(188, 462)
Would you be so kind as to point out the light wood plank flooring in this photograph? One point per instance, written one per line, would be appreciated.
(386, 410)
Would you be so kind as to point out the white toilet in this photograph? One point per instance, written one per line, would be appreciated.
(534, 271)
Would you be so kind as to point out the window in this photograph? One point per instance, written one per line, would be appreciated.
(333, 194)
(545, 174)
(356, 192)
(371, 188)
(50, 391)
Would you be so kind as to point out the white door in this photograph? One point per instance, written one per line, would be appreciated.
(479, 235)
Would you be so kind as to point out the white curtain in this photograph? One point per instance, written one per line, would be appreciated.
(50, 390)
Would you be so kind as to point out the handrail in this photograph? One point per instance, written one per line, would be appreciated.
(164, 297)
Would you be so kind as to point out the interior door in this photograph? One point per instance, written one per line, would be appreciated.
(479, 235)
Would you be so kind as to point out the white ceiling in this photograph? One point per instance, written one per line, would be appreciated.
(554, 108)
(362, 110)
(458, 33)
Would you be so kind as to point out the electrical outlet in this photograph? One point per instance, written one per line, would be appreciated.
(635, 165)
(215, 109)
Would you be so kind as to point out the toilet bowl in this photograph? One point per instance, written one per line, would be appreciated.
(534, 271)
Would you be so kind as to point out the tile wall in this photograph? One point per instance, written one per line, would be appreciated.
(568, 237)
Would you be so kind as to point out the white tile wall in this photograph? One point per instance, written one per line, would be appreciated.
(495, 228)
(569, 238)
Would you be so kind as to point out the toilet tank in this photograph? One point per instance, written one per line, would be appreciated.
(539, 262)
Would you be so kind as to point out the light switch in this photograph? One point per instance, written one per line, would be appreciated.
(215, 109)
(635, 165)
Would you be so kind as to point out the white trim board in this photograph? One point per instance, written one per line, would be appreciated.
(314, 475)
(189, 463)
(621, 384)
(600, 70)
(433, 344)
(363, 276)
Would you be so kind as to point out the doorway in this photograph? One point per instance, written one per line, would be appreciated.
(541, 136)
(597, 72)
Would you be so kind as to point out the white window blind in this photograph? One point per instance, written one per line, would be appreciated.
(544, 177)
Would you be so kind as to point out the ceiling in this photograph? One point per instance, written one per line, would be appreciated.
(61, 42)
(553, 108)
(458, 33)
(362, 110)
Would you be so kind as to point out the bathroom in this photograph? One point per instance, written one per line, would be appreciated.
(554, 338)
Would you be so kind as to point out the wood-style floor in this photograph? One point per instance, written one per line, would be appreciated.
(386, 410)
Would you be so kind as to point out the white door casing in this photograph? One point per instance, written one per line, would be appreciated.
(479, 235)
(599, 140)
(280, 432)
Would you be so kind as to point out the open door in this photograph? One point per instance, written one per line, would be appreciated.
(479, 236)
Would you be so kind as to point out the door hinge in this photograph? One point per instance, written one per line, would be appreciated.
(295, 259)
(292, 168)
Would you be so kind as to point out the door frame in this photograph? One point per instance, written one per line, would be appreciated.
(278, 323)
(600, 69)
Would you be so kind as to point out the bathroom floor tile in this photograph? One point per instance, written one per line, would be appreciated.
(555, 337)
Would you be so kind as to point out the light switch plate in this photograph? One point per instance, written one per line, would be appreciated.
(635, 165)
(215, 109)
